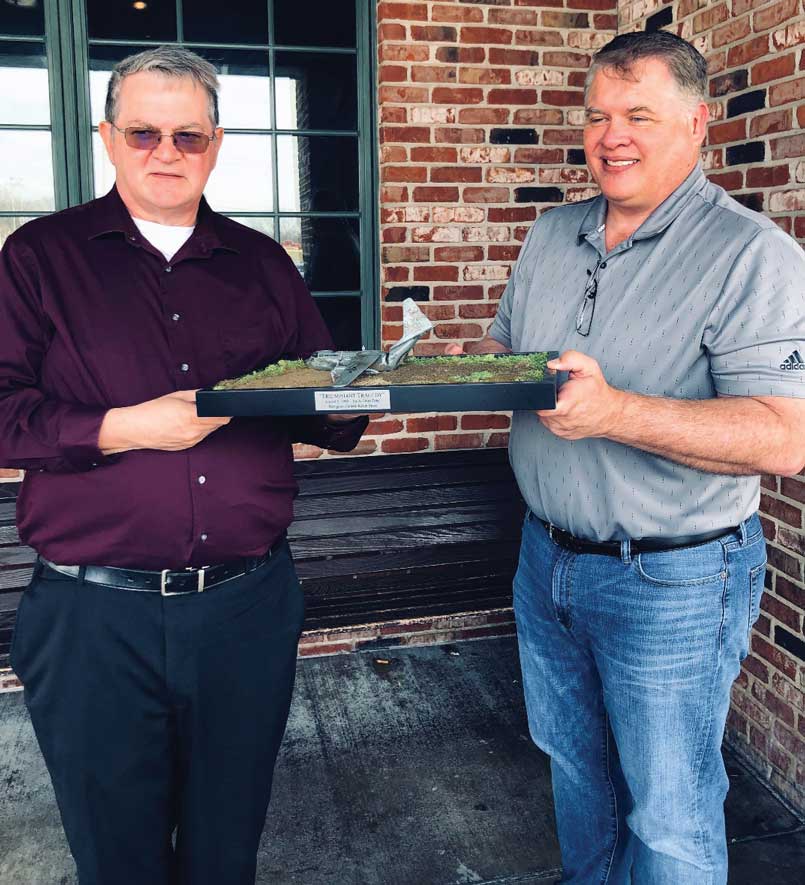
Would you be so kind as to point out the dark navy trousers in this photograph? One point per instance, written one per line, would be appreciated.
(160, 719)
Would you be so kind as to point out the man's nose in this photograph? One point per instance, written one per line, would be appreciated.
(166, 150)
(616, 133)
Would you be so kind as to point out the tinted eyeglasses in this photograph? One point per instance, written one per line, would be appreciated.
(185, 141)
(584, 318)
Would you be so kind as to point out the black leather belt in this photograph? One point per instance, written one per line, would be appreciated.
(638, 545)
(166, 582)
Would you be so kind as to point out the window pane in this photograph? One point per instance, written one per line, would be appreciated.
(314, 22)
(240, 21)
(262, 223)
(101, 61)
(9, 225)
(22, 18)
(24, 96)
(26, 171)
(241, 181)
(245, 96)
(149, 20)
(317, 173)
(103, 170)
(326, 251)
(316, 91)
(343, 318)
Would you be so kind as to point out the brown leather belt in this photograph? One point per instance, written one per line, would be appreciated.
(638, 545)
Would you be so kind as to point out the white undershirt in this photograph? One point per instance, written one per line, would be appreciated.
(165, 237)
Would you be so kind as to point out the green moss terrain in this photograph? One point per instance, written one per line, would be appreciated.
(469, 369)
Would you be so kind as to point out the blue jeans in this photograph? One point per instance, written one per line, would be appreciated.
(627, 665)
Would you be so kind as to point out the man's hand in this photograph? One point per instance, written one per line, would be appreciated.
(587, 406)
(167, 424)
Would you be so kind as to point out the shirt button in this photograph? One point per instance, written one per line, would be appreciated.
(176, 317)
(184, 367)
(202, 480)
(168, 269)
(204, 536)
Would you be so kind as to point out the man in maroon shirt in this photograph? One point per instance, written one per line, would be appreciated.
(157, 640)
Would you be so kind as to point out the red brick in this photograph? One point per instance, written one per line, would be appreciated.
(743, 53)
(732, 130)
(773, 69)
(751, 709)
(403, 254)
(790, 90)
(564, 20)
(790, 741)
(592, 4)
(458, 253)
(393, 193)
(562, 136)
(484, 115)
(512, 96)
(781, 510)
(436, 312)
(433, 273)
(393, 153)
(512, 17)
(396, 274)
(458, 330)
(495, 293)
(709, 18)
(393, 115)
(775, 15)
(389, 31)
(781, 612)
(434, 33)
(541, 156)
(477, 311)
(503, 253)
(539, 117)
(433, 74)
(773, 704)
(405, 11)
(763, 625)
(764, 124)
(513, 213)
(537, 37)
(605, 22)
(791, 35)
(394, 235)
(456, 173)
(792, 487)
(454, 13)
(419, 134)
(304, 452)
(485, 36)
(485, 422)
(431, 422)
(393, 74)
(779, 759)
(459, 136)
(446, 95)
(788, 692)
(486, 195)
(791, 540)
(433, 155)
(458, 441)
(457, 293)
(739, 7)
(486, 76)
(465, 55)
(785, 563)
(400, 445)
(404, 173)
(381, 428)
(767, 176)
(774, 656)
(758, 669)
(737, 29)
(435, 194)
(498, 441)
(562, 97)
(524, 57)
(565, 59)
(790, 146)
(403, 52)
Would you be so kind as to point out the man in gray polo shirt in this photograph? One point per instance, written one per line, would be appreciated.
(681, 315)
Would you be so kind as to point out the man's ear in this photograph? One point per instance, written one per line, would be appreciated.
(701, 116)
(106, 131)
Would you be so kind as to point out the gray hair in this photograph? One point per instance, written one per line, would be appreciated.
(686, 64)
(170, 61)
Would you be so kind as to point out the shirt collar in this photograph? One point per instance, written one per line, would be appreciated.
(112, 217)
(659, 219)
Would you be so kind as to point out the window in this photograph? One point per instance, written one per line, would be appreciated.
(26, 139)
(296, 103)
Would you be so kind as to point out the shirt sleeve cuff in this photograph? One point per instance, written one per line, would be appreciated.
(78, 438)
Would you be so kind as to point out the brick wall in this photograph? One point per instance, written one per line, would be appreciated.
(756, 151)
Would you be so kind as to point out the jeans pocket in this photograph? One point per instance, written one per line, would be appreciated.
(683, 567)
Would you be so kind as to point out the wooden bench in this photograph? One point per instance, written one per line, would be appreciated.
(375, 539)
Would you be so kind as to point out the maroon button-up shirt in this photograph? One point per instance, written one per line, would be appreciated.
(93, 317)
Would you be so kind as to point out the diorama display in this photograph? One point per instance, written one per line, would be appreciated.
(374, 381)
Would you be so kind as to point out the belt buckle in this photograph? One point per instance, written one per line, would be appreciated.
(164, 577)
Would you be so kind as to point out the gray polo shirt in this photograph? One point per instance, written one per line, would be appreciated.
(705, 298)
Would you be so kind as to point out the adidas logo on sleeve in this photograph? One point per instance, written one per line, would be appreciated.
(793, 363)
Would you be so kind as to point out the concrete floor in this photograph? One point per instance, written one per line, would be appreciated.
(418, 771)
